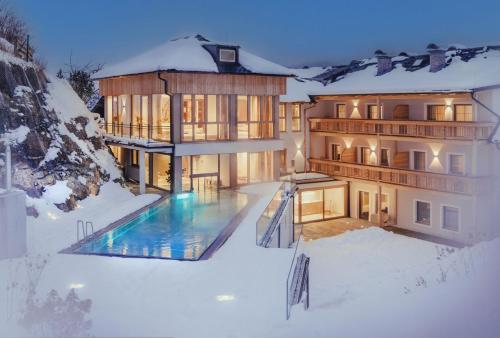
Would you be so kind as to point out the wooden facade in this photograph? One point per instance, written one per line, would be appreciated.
(193, 83)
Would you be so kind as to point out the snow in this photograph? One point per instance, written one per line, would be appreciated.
(186, 54)
(57, 193)
(365, 283)
(17, 135)
(69, 106)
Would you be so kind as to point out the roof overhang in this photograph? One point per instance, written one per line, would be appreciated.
(408, 95)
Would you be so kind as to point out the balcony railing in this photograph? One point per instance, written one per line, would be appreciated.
(137, 131)
(415, 179)
(412, 128)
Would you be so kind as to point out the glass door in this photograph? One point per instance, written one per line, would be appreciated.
(364, 205)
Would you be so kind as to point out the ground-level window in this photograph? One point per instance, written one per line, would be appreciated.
(254, 167)
(451, 218)
(436, 112)
(296, 117)
(422, 212)
(205, 172)
(319, 204)
(340, 111)
(463, 112)
(282, 117)
(457, 164)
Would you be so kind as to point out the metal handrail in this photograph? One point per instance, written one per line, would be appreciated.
(273, 225)
(288, 305)
(137, 131)
(84, 226)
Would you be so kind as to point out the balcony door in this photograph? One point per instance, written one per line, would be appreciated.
(364, 205)
(419, 160)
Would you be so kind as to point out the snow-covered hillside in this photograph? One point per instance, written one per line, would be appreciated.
(57, 150)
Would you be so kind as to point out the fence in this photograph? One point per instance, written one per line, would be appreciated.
(275, 227)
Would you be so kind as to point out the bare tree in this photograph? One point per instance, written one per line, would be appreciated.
(12, 27)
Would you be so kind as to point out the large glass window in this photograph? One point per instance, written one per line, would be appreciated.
(422, 212)
(161, 117)
(296, 117)
(463, 112)
(205, 117)
(255, 167)
(161, 171)
(320, 203)
(255, 117)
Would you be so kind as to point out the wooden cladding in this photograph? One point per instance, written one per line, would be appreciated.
(412, 128)
(193, 83)
(410, 178)
(349, 155)
(402, 160)
(401, 112)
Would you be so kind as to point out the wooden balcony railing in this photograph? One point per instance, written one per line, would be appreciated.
(415, 179)
(411, 128)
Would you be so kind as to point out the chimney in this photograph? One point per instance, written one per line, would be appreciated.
(437, 57)
(384, 62)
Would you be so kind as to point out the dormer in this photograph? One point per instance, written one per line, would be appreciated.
(227, 54)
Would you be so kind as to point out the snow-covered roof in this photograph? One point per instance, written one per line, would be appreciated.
(466, 69)
(193, 54)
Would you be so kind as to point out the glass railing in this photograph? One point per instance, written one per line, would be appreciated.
(138, 131)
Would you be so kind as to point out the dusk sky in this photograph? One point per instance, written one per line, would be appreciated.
(289, 32)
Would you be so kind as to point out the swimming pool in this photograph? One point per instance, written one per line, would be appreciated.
(189, 226)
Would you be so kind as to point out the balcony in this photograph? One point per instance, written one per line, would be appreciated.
(410, 178)
(136, 133)
(408, 128)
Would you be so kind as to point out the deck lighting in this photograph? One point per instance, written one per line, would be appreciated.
(225, 298)
(52, 216)
(76, 286)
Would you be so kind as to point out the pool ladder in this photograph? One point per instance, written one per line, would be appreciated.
(84, 227)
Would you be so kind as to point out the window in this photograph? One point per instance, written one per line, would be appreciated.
(296, 125)
(372, 110)
(161, 117)
(419, 160)
(205, 118)
(384, 157)
(282, 118)
(255, 117)
(450, 218)
(463, 112)
(422, 212)
(134, 157)
(456, 164)
(365, 155)
(227, 55)
(283, 166)
(340, 111)
(336, 151)
(436, 112)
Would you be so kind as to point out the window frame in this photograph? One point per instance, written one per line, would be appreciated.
(459, 218)
(448, 163)
(225, 50)
(337, 110)
(294, 118)
(412, 160)
(463, 104)
(415, 213)
(428, 107)
(282, 118)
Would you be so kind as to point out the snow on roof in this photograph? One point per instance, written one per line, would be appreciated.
(189, 54)
(465, 70)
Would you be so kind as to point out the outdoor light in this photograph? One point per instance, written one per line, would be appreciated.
(76, 286)
(225, 298)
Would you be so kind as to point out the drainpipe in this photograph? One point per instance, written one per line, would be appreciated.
(306, 131)
(491, 137)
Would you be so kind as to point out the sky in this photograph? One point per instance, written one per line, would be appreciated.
(293, 32)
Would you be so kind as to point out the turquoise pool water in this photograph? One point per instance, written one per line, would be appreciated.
(184, 227)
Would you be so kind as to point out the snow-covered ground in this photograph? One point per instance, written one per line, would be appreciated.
(365, 283)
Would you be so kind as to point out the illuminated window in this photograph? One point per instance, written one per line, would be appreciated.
(255, 117)
(161, 117)
(205, 118)
(463, 112)
(436, 112)
(296, 117)
(340, 111)
(373, 111)
(282, 116)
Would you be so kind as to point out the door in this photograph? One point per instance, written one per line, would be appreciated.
(364, 205)
(205, 182)
(419, 160)
(335, 152)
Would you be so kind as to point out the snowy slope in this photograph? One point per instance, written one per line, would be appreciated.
(187, 54)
